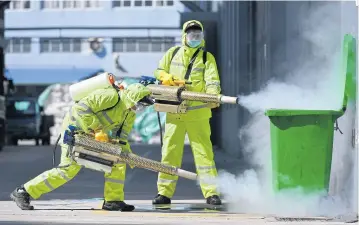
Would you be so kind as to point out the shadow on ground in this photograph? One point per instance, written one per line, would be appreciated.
(18, 164)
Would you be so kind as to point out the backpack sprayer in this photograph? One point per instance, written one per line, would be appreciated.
(101, 154)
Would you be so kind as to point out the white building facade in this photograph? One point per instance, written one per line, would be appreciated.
(59, 41)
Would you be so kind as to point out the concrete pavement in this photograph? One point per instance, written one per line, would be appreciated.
(79, 201)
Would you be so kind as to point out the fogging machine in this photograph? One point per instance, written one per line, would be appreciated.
(102, 156)
(173, 98)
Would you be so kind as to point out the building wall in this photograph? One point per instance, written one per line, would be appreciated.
(101, 14)
(155, 28)
(258, 41)
(235, 46)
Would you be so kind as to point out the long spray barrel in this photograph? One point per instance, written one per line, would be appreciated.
(179, 93)
(113, 152)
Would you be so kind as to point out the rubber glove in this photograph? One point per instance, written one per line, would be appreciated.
(101, 136)
(167, 79)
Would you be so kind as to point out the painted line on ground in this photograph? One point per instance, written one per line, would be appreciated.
(180, 214)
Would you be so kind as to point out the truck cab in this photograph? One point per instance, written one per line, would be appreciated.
(26, 120)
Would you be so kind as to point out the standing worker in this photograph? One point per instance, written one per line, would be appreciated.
(203, 73)
(105, 110)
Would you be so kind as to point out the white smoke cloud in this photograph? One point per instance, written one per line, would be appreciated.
(314, 83)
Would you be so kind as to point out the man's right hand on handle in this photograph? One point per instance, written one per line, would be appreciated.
(167, 79)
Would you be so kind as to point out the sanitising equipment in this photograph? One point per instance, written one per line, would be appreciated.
(83, 88)
(101, 156)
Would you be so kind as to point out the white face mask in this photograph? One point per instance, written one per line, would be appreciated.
(194, 38)
(194, 35)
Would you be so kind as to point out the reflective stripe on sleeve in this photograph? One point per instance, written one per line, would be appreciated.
(216, 83)
(177, 64)
(107, 117)
(114, 181)
(88, 110)
(205, 167)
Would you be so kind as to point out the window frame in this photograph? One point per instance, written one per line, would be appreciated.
(122, 44)
(10, 44)
(82, 6)
(10, 6)
(72, 41)
(153, 4)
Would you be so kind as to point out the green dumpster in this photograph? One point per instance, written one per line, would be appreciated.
(302, 140)
(302, 143)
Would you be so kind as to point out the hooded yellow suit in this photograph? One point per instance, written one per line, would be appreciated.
(104, 109)
(195, 122)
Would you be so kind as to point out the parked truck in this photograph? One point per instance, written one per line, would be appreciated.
(25, 119)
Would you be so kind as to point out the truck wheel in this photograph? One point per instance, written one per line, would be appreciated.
(46, 141)
(14, 141)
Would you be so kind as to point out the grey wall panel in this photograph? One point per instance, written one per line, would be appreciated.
(235, 45)
(2, 52)
(257, 41)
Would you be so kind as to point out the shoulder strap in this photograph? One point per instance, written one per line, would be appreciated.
(189, 69)
(118, 99)
(111, 107)
(174, 53)
(204, 57)
(118, 133)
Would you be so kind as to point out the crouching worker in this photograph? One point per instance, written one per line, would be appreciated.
(110, 110)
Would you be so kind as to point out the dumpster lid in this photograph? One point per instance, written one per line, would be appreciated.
(298, 112)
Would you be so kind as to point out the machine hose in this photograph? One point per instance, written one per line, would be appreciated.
(53, 153)
(159, 123)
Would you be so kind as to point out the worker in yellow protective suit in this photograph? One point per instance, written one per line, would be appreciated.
(203, 74)
(107, 110)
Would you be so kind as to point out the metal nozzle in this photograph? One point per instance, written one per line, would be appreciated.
(229, 100)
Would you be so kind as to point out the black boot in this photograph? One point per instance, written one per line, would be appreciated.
(214, 200)
(117, 206)
(21, 198)
(161, 199)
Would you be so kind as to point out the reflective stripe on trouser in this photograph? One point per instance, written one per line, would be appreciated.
(68, 169)
(173, 142)
(54, 178)
(114, 183)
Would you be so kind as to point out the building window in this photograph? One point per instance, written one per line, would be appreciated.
(141, 44)
(60, 45)
(18, 45)
(18, 5)
(116, 3)
(130, 45)
(138, 3)
(70, 4)
(124, 3)
(168, 43)
(118, 45)
(148, 2)
(144, 45)
(92, 4)
(142, 3)
(159, 2)
(127, 3)
(55, 4)
(156, 45)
